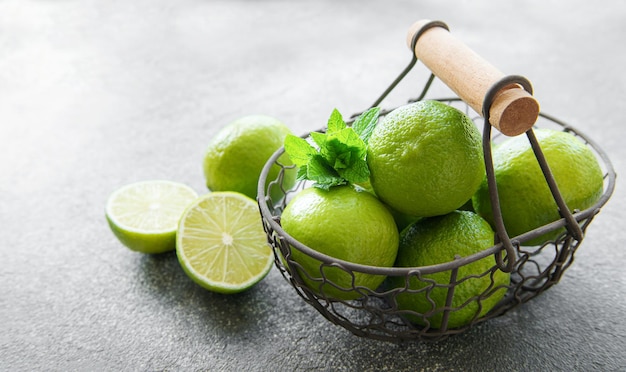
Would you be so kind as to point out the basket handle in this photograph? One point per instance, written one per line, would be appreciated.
(513, 110)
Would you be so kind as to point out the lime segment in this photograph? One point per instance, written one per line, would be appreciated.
(144, 215)
(221, 244)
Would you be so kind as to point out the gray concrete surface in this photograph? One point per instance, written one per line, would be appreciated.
(98, 94)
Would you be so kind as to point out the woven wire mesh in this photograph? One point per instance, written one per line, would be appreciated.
(375, 313)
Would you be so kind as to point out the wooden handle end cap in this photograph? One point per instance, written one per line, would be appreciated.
(513, 111)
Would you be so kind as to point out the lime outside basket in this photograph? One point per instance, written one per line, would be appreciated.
(375, 314)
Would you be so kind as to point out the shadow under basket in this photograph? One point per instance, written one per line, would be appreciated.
(375, 314)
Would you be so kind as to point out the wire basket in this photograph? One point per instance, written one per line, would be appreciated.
(376, 314)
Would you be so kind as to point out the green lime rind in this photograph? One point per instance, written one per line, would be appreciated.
(526, 201)
(425, 159)
(236, 155)
(437, 240)
(344, 223)
(151, 243)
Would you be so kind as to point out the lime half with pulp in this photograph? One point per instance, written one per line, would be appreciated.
(144, 215)
(221, 244)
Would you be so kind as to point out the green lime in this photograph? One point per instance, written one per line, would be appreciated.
(236, 156)
(402, 220)
(441, 239)
(144, 215)
(525, 198)
(221, 244)
(425, 159)
(345, 223)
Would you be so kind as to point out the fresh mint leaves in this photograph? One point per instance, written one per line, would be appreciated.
(340, 154)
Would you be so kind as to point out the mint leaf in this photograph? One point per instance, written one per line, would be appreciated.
(302, 174)
(335, 122)
(358, 172)
(366, 122)
(340, 158)
(332, 151)
(340, 154)
(323, 174)
(319, 138)
(299, 150)
(352, 141)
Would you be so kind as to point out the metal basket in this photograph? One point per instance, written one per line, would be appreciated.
(375, 314)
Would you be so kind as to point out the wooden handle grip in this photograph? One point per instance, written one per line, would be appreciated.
(513, 110)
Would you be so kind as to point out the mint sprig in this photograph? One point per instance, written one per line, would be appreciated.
(340, 156)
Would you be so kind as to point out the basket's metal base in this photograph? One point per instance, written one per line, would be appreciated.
(375, 316)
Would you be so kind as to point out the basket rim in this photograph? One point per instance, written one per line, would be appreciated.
(268, 218)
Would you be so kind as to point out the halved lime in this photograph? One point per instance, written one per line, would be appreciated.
(144, 215)
(221, 244)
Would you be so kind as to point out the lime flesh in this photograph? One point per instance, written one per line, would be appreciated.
(144, 215)
(221, 244)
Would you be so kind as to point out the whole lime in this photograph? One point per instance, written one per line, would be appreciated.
(425, 159)
(236, 156)
(479, 285)
(345, 223)
(525, 198)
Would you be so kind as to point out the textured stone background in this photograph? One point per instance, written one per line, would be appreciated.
(98, 94)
